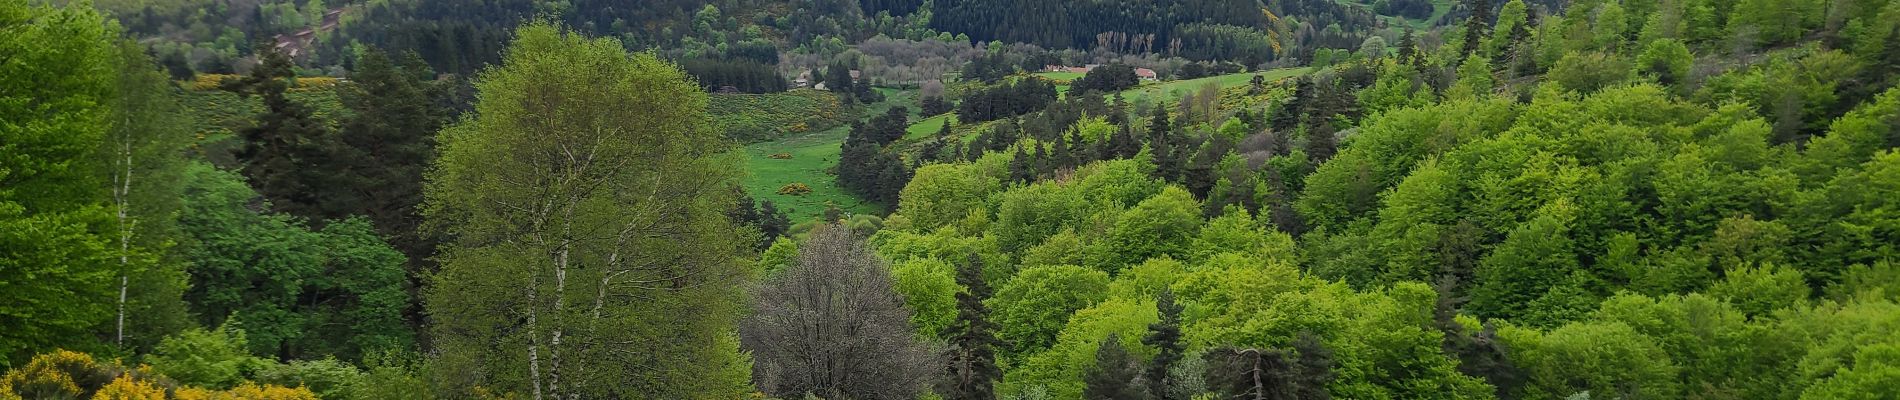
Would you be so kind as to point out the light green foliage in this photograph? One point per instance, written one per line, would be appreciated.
(1474, 79)
(1611, 27)
(1059, 369)
(1880, 280)
(1160, 226)
(1029, 215)
(929, 287)
(781, 254)
(256, 268)
(215, 358)
(1238, 232)
(1589, 72)
(633, 245)
(328, 378)
(1147, 279)
(1062, 248)
(1609, 360)
(1386, 149)
(58, 75)
(1034, 306)
(1665, 60)
(1397, 87)
(1876, 371)
(1852, 139)
(1759, 290)
(1530, 261)
(941, 194)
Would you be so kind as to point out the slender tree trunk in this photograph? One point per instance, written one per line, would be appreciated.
(534, 334)
(122, 195)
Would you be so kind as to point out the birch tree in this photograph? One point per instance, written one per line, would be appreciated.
(588, 253)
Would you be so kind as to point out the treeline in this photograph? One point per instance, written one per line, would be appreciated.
(717, 75)
(1076, 24)
(1006, 100)
(868, 165)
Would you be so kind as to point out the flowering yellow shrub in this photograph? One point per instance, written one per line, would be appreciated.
(50, 375)
(210, 81)
(127, 388)
(795, 189)
(248, 391)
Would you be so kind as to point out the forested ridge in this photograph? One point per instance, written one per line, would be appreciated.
(950, 199)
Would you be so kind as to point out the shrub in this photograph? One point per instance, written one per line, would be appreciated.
(795, 189)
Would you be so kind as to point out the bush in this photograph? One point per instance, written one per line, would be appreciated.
(795, 189)
(1589, 72)
(209, 358)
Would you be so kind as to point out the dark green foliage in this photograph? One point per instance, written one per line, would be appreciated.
(972, 371)
(745, 76)
(1477, 26)
(1116, 374)
(296, 292)
(870, 168)
(1106, 78)
(1006, 100)
(386, 146)
(1299, 373)
(285, 143)
(1164, 336)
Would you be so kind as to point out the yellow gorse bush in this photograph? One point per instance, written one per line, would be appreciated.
(72, 375)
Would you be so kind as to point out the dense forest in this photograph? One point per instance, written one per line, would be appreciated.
(950, 199)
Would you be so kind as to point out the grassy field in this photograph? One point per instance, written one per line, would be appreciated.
(1060, 76)
(1175, 89)
(812, 154)
(750, 118)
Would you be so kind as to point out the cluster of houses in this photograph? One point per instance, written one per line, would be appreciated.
(1143, 73)
(804, 80)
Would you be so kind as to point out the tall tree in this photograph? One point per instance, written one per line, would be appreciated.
(591, 254)
(283, 149)
(1164, 336)
(1116, 374)
(56, 274)
(1477, 27)
(388, 144)
(831, 324)
(145, 153)
(973, 371)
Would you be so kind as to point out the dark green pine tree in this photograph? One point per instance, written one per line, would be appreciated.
(283, 148)
(1253, 374)
(1165, 337)
(1321, 143)
(1408, 48)
(1079, 153)
(973, 372)
(1279, 204)
(1042, 162)
(1312, 368)
(1021, 168)
(1200, 175)
(1477, 27)
(387, 146)
(1115, 375)
(1062, 156)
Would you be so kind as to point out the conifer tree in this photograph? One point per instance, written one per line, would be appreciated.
(1477, 27)
(1165, 336)
(973, 372)
(283, 149)
(1115, 375)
